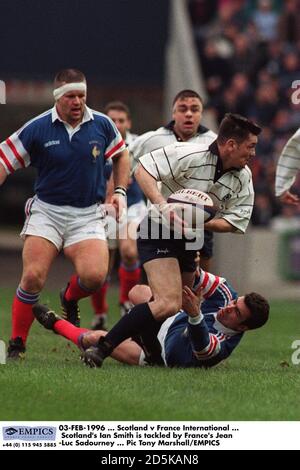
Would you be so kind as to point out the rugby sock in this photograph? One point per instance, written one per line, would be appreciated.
(76, 290)
(22, 316)
(137, 321)
(98, 300)
(129, 276)
(69, 331)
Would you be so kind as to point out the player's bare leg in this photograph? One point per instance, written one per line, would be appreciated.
(127, 352)
(129, 271)
(98, 298)
(145, 319)
(90, 259)
(164, 279)
(38, 255)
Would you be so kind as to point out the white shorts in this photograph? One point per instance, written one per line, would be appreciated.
(161, 336)
(135, 214)
(63, 225)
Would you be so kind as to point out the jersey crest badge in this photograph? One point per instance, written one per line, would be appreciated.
(95, 152)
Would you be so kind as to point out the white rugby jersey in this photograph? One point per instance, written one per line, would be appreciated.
(288, 165)
(198, 166)
(163, 136)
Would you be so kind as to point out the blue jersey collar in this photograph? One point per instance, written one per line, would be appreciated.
(88, 115)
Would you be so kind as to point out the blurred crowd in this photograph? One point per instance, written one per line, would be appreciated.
(250, 57)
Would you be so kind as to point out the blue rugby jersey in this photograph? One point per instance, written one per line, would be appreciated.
(209, 342)
(70, 167)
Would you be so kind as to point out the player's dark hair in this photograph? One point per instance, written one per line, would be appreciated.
(259, 308)
(117, 106)
(237, 127)
(187, 94)
(68, 76)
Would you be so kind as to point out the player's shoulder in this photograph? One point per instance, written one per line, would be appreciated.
(130, 138)
(295, 136)
(205, 133)
(297, 133)
(191, 148)
(245, 174)
(152, 140)
(43, 119)
(185, 153)
(99, 117)
(104, 122)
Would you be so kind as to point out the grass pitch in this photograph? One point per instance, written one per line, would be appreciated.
(259, 381)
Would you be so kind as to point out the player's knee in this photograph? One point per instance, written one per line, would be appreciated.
(33, 280)
(139, 294)
(93, 280)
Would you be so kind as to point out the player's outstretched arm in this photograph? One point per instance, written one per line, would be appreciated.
(191, 301)
(148, 185)
(219, 225)
(205, 345)
(121, 169)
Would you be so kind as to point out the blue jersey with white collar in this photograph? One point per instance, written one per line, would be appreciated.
(209, 342)
(70, 165)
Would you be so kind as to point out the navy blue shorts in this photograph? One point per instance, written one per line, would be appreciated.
(151, 248)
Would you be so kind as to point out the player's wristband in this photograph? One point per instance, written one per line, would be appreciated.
(196, 320)
(164, 207)
(120, 190)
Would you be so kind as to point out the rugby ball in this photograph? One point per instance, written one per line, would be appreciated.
(194, 204)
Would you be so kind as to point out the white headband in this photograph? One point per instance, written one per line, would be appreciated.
(60, 91)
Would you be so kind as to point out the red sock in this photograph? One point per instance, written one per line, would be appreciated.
(128, 279)
(69, 331)
(75, 291)
(22, 319)
(98, 300)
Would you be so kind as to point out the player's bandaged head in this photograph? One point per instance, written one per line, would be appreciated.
(74, 86)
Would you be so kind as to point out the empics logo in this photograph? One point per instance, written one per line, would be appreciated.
(11, 431)
(29, 433)
(2, 92)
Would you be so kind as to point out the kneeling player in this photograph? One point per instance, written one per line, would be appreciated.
(206, 332)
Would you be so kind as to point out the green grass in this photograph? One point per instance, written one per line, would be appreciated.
(52, 384)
